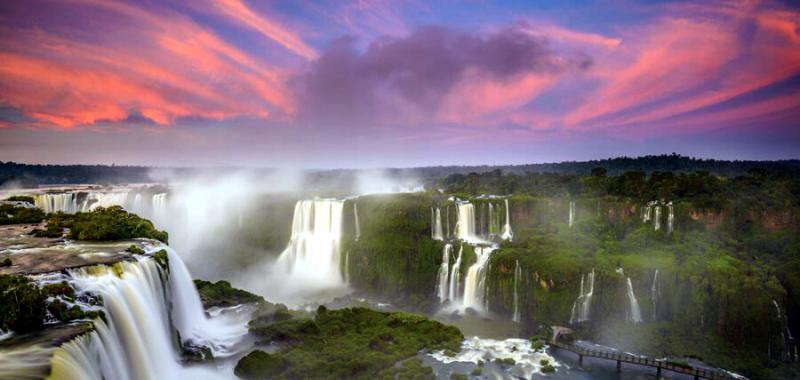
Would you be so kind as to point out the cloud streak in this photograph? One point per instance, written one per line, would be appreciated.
(398, 72)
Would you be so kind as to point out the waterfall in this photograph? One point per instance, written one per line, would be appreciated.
(647, 211)
(786, 352)
(634, 314)
(444, 270)
(670, 217)
(436, 224)
(358, 225)
(654, 293)
(135, 341)
(508, 234)
(159, 204)
(455, 277)
(571, 213)
(313, 251)
(63, 202)
(492, 225)
(657, 218)
(517, 277)
(475, 281)
(581, 308)
(465, 226)
(218, 334)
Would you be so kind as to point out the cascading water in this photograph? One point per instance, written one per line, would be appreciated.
(507, 234)
(436, 224)
(312, 255)
(135, 340)
(787, 346)
(571, 213)
(517, 315)
(357, 224)
(455, 277)
(654, 294)
(647, 211)
(475, 281)
(581, 308)
(493, 226)
(465, 226)
(657, 218)
(62, 202)
(670, 217)
(442, 287)
(634, 313)
(219, 334)
(159, 205)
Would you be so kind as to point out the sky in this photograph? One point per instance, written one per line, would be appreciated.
(377, 83)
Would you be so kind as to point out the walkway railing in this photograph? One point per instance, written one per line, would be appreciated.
(698, 373)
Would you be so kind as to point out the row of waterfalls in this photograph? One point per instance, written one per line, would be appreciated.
(652, 212)
(84, 201)
(485, 225)
(143, 305)
(582, 306)
(480, 232)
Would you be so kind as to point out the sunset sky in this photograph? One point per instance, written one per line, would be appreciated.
(395, 83)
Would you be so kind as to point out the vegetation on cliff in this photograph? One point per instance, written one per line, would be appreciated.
(112, 223)
(12, 214)
(222, 294)
(354, 343)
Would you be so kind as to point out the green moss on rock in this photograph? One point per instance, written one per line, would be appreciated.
(353, 343)
(222, 294)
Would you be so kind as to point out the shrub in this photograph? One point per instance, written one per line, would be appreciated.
(259, 365)
(222, 294)
(10, 214)
(112, 223)
(22, 304)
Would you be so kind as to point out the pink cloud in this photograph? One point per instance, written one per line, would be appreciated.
(240, 12)
(683, 64)
(161, 67)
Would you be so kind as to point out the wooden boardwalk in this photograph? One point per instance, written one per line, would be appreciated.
(698, 373)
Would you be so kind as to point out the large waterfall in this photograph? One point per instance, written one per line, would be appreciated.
(312, 256)
(654, 294)
(442, 286)
(507, 234)
(465, 226)
(517, 313)
(61, 202)
(136, 340)
(475, 280)
(581, 308)
(634, 313)
(436, 224)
